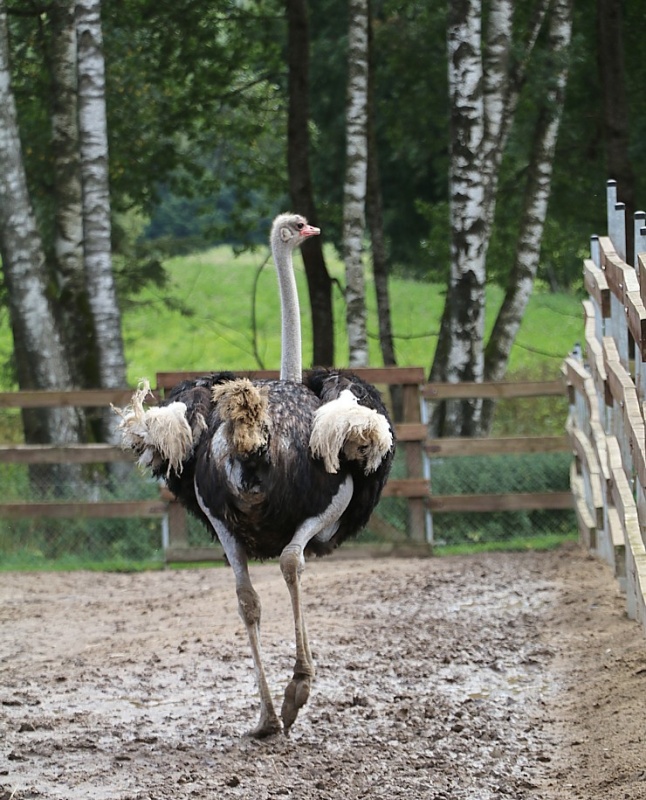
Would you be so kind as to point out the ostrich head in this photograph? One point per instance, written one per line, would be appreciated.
(290, 231)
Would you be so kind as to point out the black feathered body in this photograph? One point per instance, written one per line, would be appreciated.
(264, 496)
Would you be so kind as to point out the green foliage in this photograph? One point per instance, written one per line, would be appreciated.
(216, 289)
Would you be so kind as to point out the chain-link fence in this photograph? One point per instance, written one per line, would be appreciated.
(37, 541)
(76, 539)
(122, 541)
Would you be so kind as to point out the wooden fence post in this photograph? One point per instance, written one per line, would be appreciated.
(414, 466)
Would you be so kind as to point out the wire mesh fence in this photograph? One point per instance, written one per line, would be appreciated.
(37, 541)
(76, 539)
(518, 473)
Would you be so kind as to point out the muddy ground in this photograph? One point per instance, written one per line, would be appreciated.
(495, 676)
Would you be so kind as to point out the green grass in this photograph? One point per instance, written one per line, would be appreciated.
(68, 563)
(545, 541)
(217, 288)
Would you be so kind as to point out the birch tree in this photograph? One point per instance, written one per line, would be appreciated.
(484, 86)
(69, 266)
(96, 197)
(461, 339)
(39, 354)
(535, 200)
(354, 193)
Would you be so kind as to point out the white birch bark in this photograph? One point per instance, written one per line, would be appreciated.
(536, 198)
(96, 197)
(464, 319)
(39, 355)
(354, 194)
(484, 90)
(68, 219)
(68, 243)
(498, 97)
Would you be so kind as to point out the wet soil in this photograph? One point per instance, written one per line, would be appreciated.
(484, 677)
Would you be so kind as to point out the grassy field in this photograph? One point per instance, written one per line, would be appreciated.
(214, 328)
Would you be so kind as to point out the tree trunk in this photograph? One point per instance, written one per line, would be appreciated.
(300, 181)
(375, 220)
(484, 87)
(38, 351)
(614, 105)
(96, 195)
(497, 101)
(101, 290)
(72, 299)
(459, 356)
(354, 193)
(535, 201)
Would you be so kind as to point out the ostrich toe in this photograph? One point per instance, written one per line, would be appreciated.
(296, 695)
(267, 726)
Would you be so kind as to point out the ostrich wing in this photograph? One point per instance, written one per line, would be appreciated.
(352, 423)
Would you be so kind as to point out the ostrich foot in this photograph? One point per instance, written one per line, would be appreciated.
(296, 695)
(269, 725)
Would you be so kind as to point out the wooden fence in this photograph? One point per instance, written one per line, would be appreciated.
(607, 396)
(417, 448)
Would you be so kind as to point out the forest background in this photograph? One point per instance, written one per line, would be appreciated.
(480, 137)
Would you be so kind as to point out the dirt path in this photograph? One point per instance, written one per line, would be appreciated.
(499, 676)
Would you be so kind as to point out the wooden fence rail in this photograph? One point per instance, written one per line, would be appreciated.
(606, 421)
(411, 434)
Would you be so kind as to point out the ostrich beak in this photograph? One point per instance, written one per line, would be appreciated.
(310, 230)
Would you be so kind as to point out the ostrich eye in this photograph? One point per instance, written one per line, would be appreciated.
(300, 225)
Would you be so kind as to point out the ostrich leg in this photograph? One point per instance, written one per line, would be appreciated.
(249, 610)
(291, 564)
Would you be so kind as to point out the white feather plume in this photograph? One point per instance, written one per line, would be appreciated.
(344, 426)
(161, 432)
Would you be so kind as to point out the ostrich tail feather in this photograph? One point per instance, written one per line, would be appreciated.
(156, 434)
(343, 426)
(243, 406)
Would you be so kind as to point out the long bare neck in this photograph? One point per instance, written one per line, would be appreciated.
(291, 364)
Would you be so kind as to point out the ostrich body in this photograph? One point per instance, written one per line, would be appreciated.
(282, 468)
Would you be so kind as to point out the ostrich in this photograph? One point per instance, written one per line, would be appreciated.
(275, 469)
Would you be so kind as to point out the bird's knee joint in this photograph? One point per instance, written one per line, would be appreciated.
(291, 563)
(249, 606)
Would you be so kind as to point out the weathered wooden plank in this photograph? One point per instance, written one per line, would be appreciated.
(414, 458)
(410, 432)
(585, 520)
(587, 456)
(491, 446)
(621, 277)
(492, 390)
(81, 398)
(617, 543)
(186, 555)
(379, 375)
(60, 510)
(407, 487)
(641, 275)
(596, 285)
(521, 501)
(620, 491)
(619, 381)
(636, 313)
(576, 374)
(63, 454)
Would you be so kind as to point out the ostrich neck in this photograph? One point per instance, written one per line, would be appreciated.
(291, 367)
